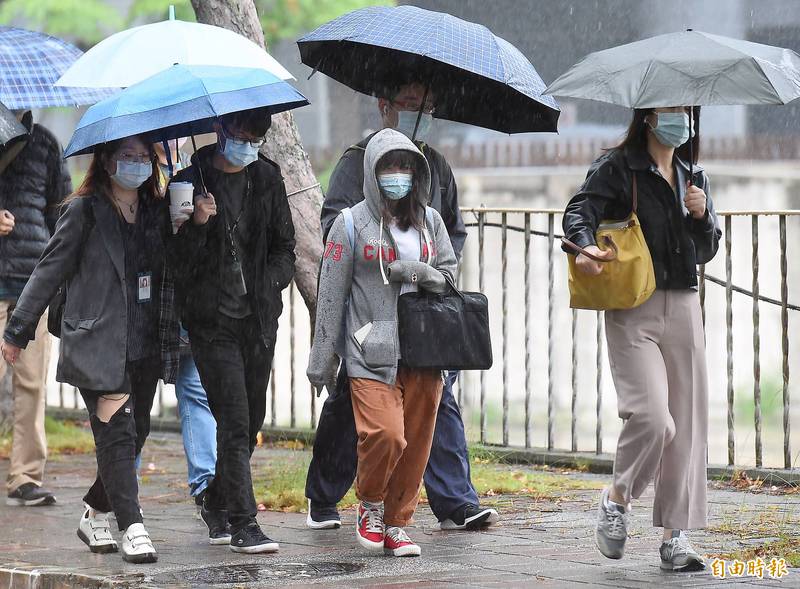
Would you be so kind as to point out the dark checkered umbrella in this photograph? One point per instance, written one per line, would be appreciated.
(30, 63)
(475, 76)
(13, 136)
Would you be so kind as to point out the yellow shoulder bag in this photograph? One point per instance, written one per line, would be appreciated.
(627, 279)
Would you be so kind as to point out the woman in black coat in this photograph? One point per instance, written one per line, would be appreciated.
(656, 350)
(117, 328)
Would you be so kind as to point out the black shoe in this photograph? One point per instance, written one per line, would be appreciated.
(219, 530)
(198, 499)
(29, 495)
(251, 540)
(470, 517)
(322, 517)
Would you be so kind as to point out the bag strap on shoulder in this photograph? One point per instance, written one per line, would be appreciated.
(429, 216)
(635, 192)
(349, 227)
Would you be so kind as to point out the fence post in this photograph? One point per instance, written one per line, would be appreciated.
(550, 328)
(756, 344)
(787, 456)
(481, 221)
(729, 337)
(527, 330)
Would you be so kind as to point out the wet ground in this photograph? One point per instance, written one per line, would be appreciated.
(544, 543)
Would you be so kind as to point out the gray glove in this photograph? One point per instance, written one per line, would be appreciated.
(419, 273)
(327, 378)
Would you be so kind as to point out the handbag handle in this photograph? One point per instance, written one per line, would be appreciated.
(449, 280)
(606, 240)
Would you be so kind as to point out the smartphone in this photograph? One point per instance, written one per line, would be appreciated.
(360, 335)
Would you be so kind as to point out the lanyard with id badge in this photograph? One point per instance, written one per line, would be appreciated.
(145, 281)
(235, 274)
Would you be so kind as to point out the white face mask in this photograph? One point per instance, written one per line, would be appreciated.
(407, 120)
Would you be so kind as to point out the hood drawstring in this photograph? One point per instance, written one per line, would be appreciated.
(380, 253)
(428, 243)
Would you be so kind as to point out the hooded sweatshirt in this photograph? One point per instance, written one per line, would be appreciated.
(353, 286)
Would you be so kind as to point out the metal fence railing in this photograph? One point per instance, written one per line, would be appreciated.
(550, 385)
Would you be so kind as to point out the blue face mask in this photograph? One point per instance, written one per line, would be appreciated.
(396, 186)
(672, 129)
(407, 119)
(239, 154)
(132, 175)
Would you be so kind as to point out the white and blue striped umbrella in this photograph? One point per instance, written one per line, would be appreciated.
(476, 77)
(30, 63)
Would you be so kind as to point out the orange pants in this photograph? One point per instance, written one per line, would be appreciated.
(395, 429)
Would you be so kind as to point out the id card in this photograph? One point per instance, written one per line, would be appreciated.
(145, 281)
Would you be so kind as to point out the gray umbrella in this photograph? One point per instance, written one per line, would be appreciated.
(13, 136)
(689, 68)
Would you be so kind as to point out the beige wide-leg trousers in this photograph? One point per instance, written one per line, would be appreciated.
(658, 362)
(29, 378)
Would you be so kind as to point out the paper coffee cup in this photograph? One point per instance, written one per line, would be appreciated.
(181, 195)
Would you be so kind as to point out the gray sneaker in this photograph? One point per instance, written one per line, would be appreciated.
(678, 555)
(612, 528)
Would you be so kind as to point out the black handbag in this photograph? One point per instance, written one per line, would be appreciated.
(447, 331)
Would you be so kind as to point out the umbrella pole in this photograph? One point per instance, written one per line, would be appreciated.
(691, 145)
(199, 168)
(419, 114)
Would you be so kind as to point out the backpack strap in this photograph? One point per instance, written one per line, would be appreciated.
(349, 227)
(429, 216)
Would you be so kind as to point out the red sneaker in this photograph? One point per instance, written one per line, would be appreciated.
(369, 525)
(397, 543)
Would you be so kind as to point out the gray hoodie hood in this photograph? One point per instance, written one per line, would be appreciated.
(382, 143)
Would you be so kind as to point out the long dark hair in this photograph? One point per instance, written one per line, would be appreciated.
(408, 211)
(636, 135)
(98, 181)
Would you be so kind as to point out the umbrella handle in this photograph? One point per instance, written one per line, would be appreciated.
(691, 145)
(419, 114)
(199, 168)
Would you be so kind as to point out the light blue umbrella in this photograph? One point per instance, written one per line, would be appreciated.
(181, 101)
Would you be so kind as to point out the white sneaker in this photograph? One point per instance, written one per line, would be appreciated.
(95, 531)
(137, 546)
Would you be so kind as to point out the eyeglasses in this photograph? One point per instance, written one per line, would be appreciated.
(257, 143)
(408, 105)
(134, 158)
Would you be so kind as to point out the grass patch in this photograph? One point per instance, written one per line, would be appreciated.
(63, 437)
(777, 528)
(279, 481)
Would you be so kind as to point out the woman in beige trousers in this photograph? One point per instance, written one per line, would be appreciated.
(656, 350)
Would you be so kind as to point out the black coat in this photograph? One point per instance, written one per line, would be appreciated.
(200, 249)
(30, 188)
(677, 242)
(87, 253)
(346, 188)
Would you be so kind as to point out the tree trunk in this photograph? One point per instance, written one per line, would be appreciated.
(285, 148)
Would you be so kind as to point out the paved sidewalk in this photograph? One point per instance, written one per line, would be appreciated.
(546, 543)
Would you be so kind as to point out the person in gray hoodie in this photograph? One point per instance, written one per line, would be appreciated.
(393, 246)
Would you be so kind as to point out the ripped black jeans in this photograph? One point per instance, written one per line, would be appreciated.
(119, 441)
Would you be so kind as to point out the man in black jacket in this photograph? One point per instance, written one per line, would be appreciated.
(451, 495)
(237, 255)
(30, 189)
